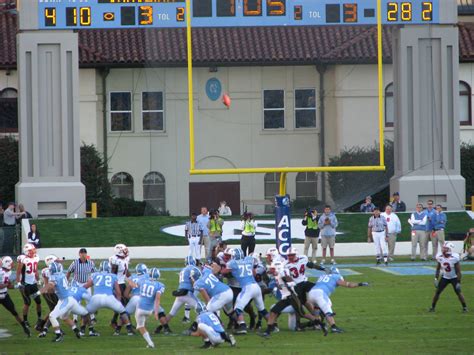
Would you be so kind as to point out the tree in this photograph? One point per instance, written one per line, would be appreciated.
(9, 168)
(467, 168)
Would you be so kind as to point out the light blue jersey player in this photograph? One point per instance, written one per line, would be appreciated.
(324, 288)
(80, 293)
(66, 303)
(243, 270)
(107, 294)
(216, 293)
(132, 290)
(210, 328)
(149, 302)
(185, 292)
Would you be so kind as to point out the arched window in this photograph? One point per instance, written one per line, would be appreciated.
(465, 112)
(272, 188)
(122, 185)
(389, 106)
(8, 111)
(154, 190)
(306, 185)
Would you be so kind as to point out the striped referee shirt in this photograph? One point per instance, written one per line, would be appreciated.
(81, 270)
(378, 224)
(193, 229)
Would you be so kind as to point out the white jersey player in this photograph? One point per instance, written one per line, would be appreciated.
(448, 263)
(27, 281)
(119, 265)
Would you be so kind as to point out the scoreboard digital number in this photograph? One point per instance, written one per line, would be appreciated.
(76, 14)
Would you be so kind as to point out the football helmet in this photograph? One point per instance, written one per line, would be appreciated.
(189, 260)
(335, 270)
(141, 269)
(292, 255)
(104, 266)
(155, 273)
(237, 254)
(50, 259)
(20, 258)
(55, 268)
(201, 308)
(195, 274)
(227, 254)
(29, 250)
(448, 248)
(7, 263)
(277, 265)
(121, 250)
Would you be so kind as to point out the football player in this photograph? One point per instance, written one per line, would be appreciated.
(6, 265)
(448, 263)
(66, 304)
(27, 282)
(80, 293)
(50, 297)
(149, 302)
(324, 288)
(119, 265)
(107, 294)
(242, 269)
(210, 328)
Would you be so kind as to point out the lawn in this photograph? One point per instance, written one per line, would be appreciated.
(146, 231)
(390, 316)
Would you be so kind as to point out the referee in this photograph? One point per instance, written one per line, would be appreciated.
(81, 268)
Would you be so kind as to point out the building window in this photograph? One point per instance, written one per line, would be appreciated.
(154, 190)
(389, 106)
(306, 185)
(152, 111)
(8, 111)
(120, 111)
(305, 108)
(122, 185)
(465, 113)
(272, 188)
(273, 109)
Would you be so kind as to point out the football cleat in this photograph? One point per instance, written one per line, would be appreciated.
(265, 334)
(186, 320)
(77, 332)
(93, 333)
(39, 325)
(335, 329)
(58, 339)
(26, 330)
(258, 325)
(431, 310)
(241, 329)
(82, 334)
(150, 346)
(464, 310)
(116, 333)
(42, 335)
(158, 329)
(232, 340)
(206, 345)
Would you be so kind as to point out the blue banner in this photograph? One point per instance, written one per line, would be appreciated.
(282, 224)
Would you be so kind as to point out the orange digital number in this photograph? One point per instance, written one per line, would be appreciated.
(298, 12)
(276, 8)
(392, 11)
(146, 15)
(180, 14)
(252, 7)
(85, 16)
(50, 16)
(406, 11)
(350, 12)
(427, 11)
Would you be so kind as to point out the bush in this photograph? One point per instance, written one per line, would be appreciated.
(9, 168)
(467, 168)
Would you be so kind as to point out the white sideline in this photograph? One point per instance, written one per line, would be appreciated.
(180, 252)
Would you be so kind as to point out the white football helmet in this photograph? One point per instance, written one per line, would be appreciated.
(7, 263)
(292, 254)
(277, 265)
(50, 259)
(29, 250)
(448, 248)
(121, 250)
(227, 254)
(271, 254)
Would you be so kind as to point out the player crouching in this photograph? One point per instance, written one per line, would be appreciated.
(210, 328)
(448, 261)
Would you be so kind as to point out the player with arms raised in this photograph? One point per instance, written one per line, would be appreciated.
(119, 265)
(448, 262)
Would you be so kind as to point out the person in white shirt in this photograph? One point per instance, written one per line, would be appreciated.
(394, 228)
(224, 210)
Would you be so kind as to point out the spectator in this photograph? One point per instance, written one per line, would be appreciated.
(418, 222)
(193, 232)
(397, 204)
(367, 206)
(24, 214)
(394, 227)
(378, 233)
(438, 222)
(468, 247)
(430, 212)
(327, 224)
(10, 216)
(9, 221)
(311, 233)
(203, 220)
(248, 227)
(34, 236)
(215, 229)
(224, 210)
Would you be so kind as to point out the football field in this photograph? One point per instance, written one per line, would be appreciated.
(390, 316)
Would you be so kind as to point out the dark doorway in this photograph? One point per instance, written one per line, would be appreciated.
(209, 194)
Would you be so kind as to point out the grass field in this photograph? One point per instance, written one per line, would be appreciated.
(388, 317)
(146, 231)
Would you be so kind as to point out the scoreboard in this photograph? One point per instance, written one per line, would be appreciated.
(83, 14)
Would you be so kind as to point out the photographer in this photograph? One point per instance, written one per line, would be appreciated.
(468, 247)
(327, 224)
(248, 227)
(215, 228)
(311, 233)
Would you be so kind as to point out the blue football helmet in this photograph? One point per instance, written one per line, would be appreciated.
(195, 274)
(201, 307)
(141, 269)
(55, 268)
(335, 270)
(104, 266)
(238, 254)
(155, 273)
(189, 260)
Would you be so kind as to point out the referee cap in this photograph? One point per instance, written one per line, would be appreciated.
(83, 250)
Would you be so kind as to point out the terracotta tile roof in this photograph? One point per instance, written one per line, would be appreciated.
(237, 46)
